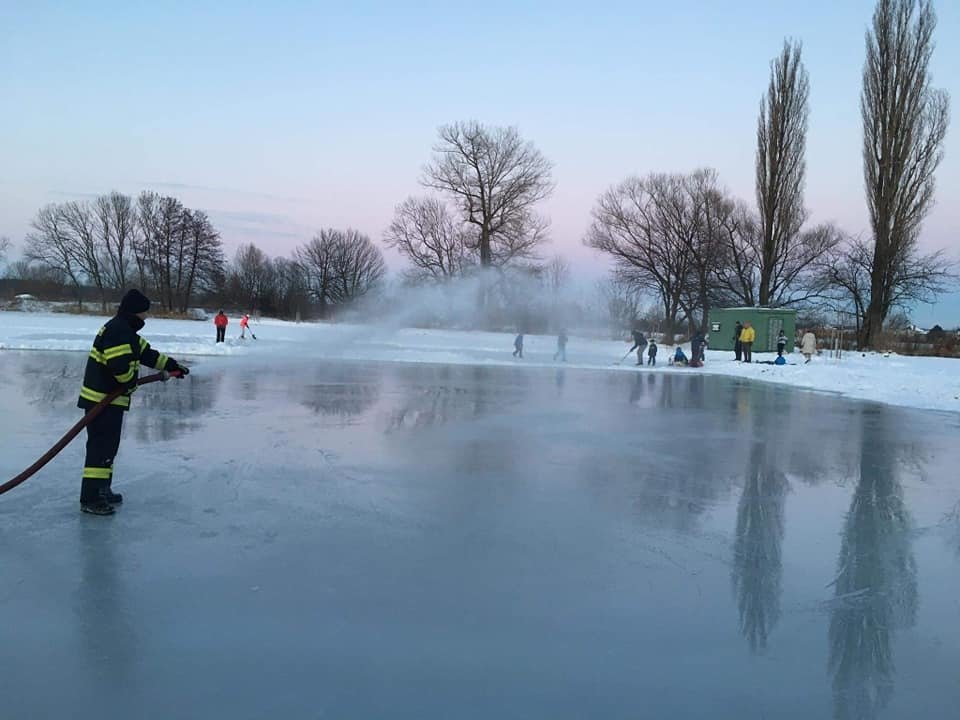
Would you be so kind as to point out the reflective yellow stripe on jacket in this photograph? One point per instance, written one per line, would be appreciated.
(118, 351)
(94, 396)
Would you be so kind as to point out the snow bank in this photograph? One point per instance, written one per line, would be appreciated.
(929, 383)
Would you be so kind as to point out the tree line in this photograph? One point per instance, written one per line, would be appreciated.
(116, 241)
(684, 239)
(679, 238)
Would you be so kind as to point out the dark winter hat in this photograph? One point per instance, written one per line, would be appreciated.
(134, 302)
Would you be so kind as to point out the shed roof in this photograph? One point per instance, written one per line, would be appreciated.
(757, 310)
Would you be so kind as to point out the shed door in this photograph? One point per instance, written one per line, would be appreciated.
(774, 326)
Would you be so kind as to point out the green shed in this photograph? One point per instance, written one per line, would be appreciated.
(767, 322)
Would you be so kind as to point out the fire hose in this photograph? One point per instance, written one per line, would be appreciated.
(81, 424)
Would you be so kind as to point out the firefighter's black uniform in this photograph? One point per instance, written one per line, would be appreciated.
(115, 360)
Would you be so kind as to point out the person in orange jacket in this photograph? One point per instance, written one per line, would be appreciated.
(221, 322)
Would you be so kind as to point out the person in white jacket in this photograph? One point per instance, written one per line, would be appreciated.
(808, 345)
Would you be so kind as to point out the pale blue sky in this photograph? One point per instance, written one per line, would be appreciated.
(282, 117)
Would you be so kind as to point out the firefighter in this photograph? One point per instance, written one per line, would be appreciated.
(118, 351)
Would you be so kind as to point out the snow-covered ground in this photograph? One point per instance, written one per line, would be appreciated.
(927, 383)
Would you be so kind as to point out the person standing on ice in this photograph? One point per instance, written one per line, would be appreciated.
(114, 361)
(652, 352)
(244, 323)
(221, 321)
(639, 344)
(808, 346)
(737, 345)
(747, 336)
(561, 352)
(518, 346)
(781, 343)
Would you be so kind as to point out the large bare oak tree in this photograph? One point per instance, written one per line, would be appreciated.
(495, 178)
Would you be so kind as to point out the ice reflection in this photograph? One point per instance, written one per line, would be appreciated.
(106, 632)
(168, 411)
(354, 390)
(450, 396)
(50, 380)
(757, 554)
(875, 590)
(953, 522)
(426, 406)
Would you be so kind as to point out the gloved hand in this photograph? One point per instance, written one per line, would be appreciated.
(174, 367)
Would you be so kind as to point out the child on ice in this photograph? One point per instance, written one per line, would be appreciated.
(679, 357)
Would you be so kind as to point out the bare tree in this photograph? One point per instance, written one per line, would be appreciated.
(358, 266)
(178, 252)
(201, 264)
(290, 288)
(621, 301)
(737, 279)
(904, 124)
(495, 178)
(252, 277)
(117, 227)
(715, 222)
(433, 241)
(645, 226)
(339, 266)
(161, 231)
(846, 279)
(781, 170)
(80, 223)
(5, 246)
(51, 245)
(557, 274)
(35, 272)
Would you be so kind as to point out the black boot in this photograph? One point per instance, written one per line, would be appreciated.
(111, 497)
(97, 507)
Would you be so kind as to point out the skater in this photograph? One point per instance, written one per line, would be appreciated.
(244, 324)
(679, 357)
(639, 344)
(781, 343)
(221, 322)
(561, 352)
(747, 336)
(118, 352)
(518, 346)
(737, 345)
(652, 352)
(808, 346)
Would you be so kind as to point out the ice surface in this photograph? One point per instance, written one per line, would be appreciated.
(308, 537)
(930, 383)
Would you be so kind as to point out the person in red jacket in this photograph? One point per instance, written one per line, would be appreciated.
(221, 322)
(244, 324)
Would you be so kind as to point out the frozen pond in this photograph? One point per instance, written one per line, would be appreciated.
(356, 540)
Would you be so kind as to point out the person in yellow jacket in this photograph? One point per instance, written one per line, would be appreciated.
(747, 336)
